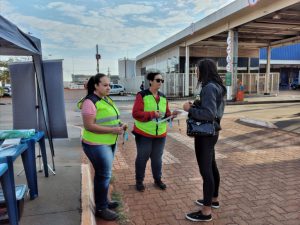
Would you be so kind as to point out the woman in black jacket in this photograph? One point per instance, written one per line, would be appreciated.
(209, 108)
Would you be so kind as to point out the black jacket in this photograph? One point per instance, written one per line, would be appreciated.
(211, 104)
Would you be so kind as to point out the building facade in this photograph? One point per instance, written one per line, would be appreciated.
(126, 68)
(233, 37)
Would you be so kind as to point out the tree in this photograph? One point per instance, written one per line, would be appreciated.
(4, 73)
(4, 76)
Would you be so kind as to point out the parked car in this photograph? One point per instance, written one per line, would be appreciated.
(117, 89)
(7, 91)
(295, 84)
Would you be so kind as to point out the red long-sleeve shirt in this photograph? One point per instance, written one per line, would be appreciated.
(139, 114)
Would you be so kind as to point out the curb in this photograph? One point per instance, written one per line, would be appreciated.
(227, 102)
(261, 102)
(87, 198)
(258, 123)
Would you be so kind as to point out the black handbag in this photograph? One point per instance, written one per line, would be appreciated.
(200, 128)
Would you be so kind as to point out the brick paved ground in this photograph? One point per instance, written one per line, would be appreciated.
(259, 169)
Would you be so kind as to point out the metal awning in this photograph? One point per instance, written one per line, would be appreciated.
(268, 23)
(278, 28)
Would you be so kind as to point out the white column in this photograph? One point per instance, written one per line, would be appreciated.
(249, 65)
(268, 68)
(187, 71)
(235, 63)
(229, 67)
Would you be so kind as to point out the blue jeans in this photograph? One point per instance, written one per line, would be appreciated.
(101, 156)
(149, 148)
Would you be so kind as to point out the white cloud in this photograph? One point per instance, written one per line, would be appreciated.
(5, 7)
(209, 6)
(66, 7)
(120, 30)
(128, 9)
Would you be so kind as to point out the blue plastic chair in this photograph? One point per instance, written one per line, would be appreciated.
(8, 186)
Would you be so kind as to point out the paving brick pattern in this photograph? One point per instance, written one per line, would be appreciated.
(259, 169)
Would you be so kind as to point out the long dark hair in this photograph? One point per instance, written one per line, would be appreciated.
(209, 73)
(92, 81)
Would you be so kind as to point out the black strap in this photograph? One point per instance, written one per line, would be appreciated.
(94, 98)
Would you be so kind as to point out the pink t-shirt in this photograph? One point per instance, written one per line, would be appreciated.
(88, 108)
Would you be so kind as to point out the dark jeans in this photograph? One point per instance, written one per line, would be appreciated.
(205, 153)
(101, 156)
(149, 148)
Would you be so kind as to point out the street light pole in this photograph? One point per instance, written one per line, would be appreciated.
(98, 56)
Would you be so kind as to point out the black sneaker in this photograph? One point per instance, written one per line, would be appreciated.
(198, 216)
(214, 205)
(113, 204)
(140, 186)
(106, 214)
(160, 184)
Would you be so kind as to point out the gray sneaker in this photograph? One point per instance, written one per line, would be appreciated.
(106, 214)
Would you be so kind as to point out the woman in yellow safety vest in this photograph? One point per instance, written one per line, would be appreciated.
(150, 130)
(102, 125)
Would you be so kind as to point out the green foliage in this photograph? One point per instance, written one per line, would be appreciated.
(116, 196)
(123, 218)
(4, 74)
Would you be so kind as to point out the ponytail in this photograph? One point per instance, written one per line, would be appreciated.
(92, 81)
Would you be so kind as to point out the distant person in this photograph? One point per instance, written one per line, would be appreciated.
(149, 108)
(142, 87)
(102, 126)
(210, 107)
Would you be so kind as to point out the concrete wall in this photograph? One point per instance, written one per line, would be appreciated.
(132, 85)
(164, 61)
(126, 68)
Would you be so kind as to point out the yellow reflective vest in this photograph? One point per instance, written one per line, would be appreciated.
(153, 127)
(107, 115)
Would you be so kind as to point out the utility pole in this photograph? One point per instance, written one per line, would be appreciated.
(98, 56)
(125, 67)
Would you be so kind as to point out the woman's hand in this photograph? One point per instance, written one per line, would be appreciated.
(186, 106)
(124, 126)
(118, 130)
(158, 114)
(175, 113)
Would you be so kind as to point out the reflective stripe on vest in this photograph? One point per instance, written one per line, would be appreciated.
(99, 121)
(151, 127)
(108, 116)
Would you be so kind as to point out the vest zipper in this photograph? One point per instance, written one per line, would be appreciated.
(157, 107)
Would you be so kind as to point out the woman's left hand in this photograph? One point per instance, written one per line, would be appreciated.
(186, 106)
(175, 113)
(124, 126)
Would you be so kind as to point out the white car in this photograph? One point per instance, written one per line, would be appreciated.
(117, 89)
(7, 91)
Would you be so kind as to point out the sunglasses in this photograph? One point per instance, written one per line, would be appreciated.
(159, 80)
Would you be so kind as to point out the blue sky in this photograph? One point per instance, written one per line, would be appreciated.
(70, 29)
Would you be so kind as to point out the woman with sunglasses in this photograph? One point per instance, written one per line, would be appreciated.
(150, 107)
(209, 108)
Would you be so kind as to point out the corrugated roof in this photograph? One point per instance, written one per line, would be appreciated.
(291, 52)
(268, 23)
